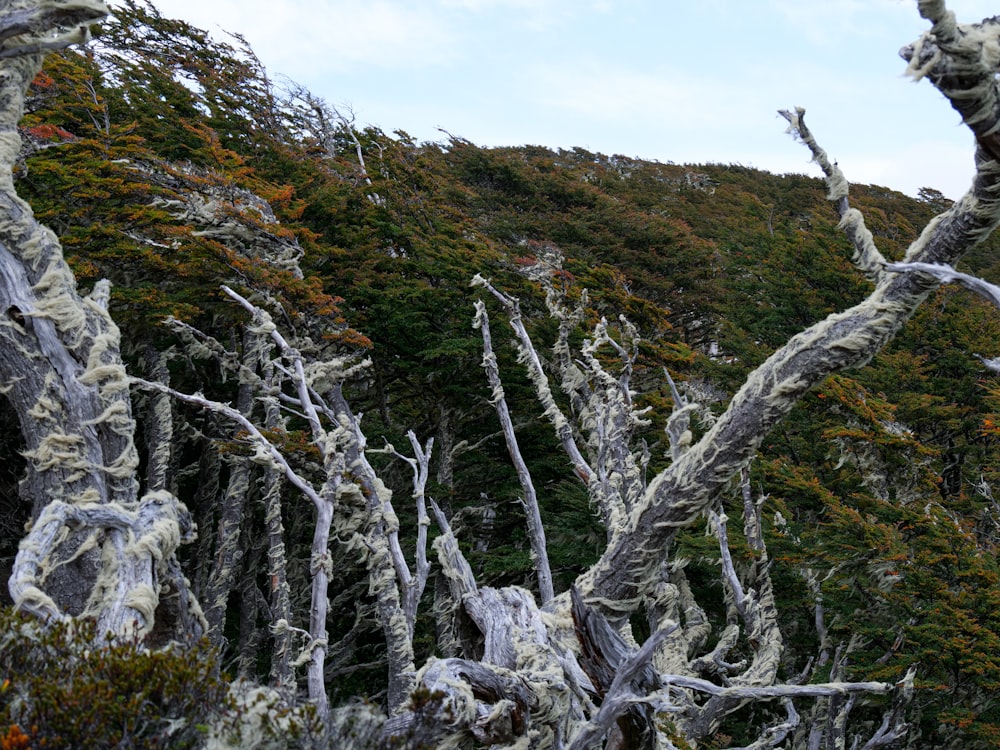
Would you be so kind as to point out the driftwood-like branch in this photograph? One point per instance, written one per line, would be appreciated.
(420, 465)
(229, 546)
(262, 322)
(630, 688)
(460, 576)
(773, 736)
(152, 531)
(756, 607)
(269, 456)
(568, 672)
(620, 476)
(768, 692)
(894, 725)
(563, 427)
(496, 709)
(321, 121)
(536, 530)
(569, 320)
(602, 405)
(678, 427)
(622, 677)
(946, 275)
(961, 65)
(266, 453)
(388, 571)
(62, 373)
(866, 255)
(844, 340)
(334, 446)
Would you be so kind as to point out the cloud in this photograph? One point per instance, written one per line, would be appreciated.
(531, 15)
(477, 6)
(329, 35)
(623, 76)
(829, 22)
(945, 166)
(611, 94)
(533, 6)
(381, 33)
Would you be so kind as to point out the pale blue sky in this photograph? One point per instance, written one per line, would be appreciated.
(692, 81)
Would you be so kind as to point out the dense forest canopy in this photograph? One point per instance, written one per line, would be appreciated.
(704, 489)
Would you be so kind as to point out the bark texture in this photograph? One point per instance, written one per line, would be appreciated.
(95, 547)
(625, 687)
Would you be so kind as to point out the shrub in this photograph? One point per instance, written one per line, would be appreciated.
(64, 687)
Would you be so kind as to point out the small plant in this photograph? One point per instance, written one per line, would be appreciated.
(74, 691)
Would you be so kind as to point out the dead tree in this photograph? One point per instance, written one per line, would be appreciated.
(349, 487)
(634, 571)
(96, 546)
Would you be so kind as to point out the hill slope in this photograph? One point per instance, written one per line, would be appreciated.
(170, 164)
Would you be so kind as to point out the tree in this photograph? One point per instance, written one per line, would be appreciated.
(96, 546)
(574, 670)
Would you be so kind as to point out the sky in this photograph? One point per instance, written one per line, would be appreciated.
(684, 81)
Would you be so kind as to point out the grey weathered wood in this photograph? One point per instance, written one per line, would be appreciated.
(634, 568)
(521, 681)
(96, 546)
(536, 529)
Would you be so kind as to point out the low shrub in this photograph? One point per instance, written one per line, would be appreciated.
(63, 686)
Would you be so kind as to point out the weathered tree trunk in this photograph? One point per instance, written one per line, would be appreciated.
(536, 531)
(229, 545)
(95, 547)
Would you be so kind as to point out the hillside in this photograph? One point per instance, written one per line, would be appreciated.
(169, 163)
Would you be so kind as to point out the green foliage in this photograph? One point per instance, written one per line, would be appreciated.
(65, 688)
(878, 483)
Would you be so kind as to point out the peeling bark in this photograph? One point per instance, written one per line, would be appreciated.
(844, 340)
(629, 685)
(228, 549)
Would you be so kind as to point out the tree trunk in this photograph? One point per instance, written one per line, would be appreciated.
(95, 547)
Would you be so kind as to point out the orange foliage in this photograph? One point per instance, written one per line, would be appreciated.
(15, 739)
(47, 132)
(43, 80)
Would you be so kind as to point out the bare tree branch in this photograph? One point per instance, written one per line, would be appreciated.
(562, 425)
(536, 530)
(866, 256)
